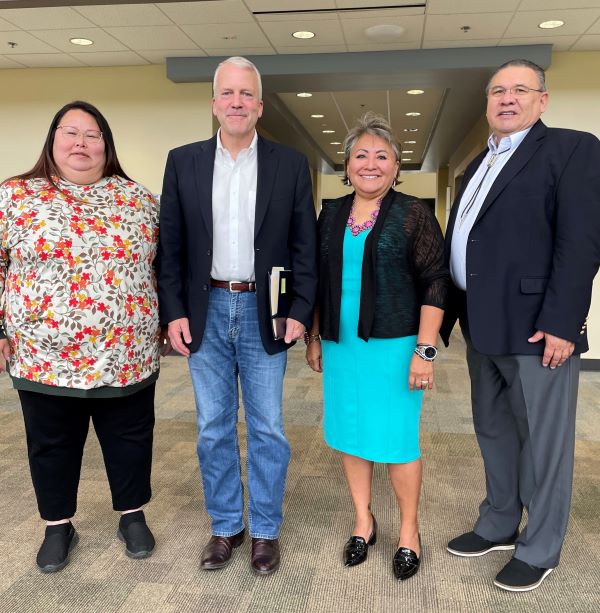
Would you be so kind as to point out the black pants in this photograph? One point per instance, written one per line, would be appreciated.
(57, 427)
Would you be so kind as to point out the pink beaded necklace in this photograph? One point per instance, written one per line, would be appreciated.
(355, 228)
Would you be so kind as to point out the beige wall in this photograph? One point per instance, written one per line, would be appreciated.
(574, 84)
(148, 114)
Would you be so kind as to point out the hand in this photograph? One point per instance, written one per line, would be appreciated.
(4, 353)
(164, 342)
(179, 333)
(556, 351)
(314, 356)
(293, 330)
(420, 376)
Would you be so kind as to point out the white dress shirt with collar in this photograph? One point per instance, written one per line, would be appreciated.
(473, 198)
(233, 207)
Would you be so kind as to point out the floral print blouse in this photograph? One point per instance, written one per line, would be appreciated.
(78, 296)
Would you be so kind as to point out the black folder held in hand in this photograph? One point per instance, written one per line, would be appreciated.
(280, 297)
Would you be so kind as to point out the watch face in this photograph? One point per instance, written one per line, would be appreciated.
(430, 352)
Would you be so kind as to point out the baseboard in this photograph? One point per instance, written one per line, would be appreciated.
(590, 364)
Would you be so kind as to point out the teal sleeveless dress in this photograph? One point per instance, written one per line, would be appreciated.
(369, 411)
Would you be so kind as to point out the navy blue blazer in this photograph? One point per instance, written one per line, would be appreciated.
(534, 249)
(285, 234)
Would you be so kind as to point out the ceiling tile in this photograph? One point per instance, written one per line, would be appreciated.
(454, 44)
(26, 43)
(559, 43)
(384, 46)
(5, 26)
(343, 4)
(60, 40)
(283, 49)
(230, 35)
(294, 19)
(589, 42)
(354, 29)
(125, 15)
(542, 5)
(454, 7)
(576, 21)
(190, 13)
(110, 58)
(594, 29)
(290, 5)
(327, 32)
(353, 105)
(160, 56)
(152, 37)
(5, 62)
(56, 18)
(482, 26)
(244, 51)
(48, 60)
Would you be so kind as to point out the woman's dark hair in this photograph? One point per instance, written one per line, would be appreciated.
(45, 166)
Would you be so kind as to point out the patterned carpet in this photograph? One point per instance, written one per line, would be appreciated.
(317, 522)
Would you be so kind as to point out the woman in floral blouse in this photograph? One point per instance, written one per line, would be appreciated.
(79, 319)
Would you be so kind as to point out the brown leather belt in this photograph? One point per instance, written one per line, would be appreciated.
(234, 286)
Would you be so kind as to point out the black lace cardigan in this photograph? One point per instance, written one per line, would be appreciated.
(402, 269)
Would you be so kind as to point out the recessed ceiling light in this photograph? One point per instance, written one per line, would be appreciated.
(413, 114)
(81, 41)
(411, 129)
(304, 95)
(303, 34)
(551, 24)
(408, 151)
(410, 142)
(384, 32)
(415, 92)
(406, 159)
(317, 116)
(335, 142)
(341, 152)
(328, 131)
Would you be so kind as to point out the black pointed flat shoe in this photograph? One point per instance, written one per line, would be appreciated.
(356, 549)
(406, 563)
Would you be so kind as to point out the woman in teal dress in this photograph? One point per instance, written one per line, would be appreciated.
(381, 298)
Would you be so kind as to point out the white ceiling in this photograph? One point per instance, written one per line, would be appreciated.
(142, 34)
(149, 33)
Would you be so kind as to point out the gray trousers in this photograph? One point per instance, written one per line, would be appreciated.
(524, 418)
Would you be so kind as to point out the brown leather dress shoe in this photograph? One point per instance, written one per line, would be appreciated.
(265, 556)
(218, 550)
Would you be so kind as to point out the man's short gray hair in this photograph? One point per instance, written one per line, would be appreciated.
(539, 72)
(375, 125)
(240, 62)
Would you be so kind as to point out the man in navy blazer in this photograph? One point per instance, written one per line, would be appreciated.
(233, 207)
(523, 247)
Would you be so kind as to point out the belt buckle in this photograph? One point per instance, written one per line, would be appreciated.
(230, 287)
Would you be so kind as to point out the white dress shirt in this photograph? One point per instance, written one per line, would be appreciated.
(233, 206)
(473, 198)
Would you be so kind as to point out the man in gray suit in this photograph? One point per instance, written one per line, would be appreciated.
(523, 246)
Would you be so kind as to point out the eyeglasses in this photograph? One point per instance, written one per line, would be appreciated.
(72, 133)
(518, 90)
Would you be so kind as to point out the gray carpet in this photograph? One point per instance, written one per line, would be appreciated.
(318, 517)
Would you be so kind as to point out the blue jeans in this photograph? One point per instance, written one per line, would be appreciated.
(232, 347)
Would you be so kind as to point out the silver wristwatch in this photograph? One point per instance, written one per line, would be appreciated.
(427, 352)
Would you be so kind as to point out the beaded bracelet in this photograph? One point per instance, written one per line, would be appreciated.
(309, 338)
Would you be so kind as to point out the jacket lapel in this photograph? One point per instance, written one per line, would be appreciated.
(521, 156)
(470, 171)
(267, 162)
(204, 164)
